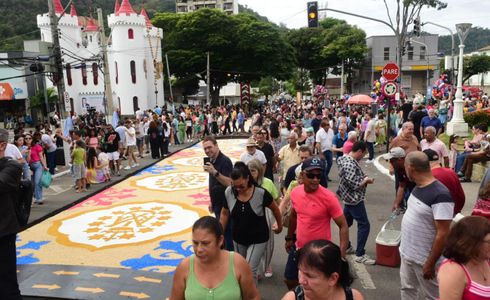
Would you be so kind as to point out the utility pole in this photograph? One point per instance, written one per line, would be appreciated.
(208, 82)
(169, 82)
(60, 83)
(109, 104)
(342, 80)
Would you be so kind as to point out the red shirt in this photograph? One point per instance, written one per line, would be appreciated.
(449, 178)
(314, 212)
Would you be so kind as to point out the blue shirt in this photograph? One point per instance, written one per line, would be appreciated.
(427, 121)
(338, 141)
(158, 111)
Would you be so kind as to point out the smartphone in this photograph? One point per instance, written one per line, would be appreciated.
(206, 160)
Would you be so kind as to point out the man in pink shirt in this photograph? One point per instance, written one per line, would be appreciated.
(431, 141)
(313, 206)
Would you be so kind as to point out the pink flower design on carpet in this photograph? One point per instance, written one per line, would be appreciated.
(184, 154)
(106, 197)
(200, 198)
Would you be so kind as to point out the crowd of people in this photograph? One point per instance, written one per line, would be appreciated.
(281, 183)
(299, 143)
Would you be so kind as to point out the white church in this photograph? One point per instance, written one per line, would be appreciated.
(134, 54)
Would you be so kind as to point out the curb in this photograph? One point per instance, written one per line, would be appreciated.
(382, 169)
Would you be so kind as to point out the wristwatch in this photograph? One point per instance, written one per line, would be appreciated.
(216, 174)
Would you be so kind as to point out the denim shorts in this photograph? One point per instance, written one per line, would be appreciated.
(291, 270)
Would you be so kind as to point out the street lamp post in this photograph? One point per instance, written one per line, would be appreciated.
(457, 125)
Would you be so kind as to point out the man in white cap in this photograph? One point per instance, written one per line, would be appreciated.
(252, 152)
(403, 186)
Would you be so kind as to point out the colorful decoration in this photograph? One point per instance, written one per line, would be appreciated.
(441, 87)
(320, 92)
(378, 95)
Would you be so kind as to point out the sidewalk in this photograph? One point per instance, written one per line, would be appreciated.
(61, 194)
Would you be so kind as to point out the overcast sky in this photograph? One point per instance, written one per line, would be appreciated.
(293, 13)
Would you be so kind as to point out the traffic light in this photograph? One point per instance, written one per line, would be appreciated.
(416, 26)
(312, 9)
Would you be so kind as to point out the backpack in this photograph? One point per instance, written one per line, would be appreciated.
(24, 202)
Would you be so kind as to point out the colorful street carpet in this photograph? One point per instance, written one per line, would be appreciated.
(125, 241)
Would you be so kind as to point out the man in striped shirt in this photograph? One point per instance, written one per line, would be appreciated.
(424, 229)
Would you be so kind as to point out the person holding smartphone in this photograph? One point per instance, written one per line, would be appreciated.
(352, 191)
(219, 167)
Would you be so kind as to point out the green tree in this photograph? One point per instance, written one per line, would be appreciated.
(320, 50)
(38, 101)
(475, 64)
(242, 48)
(268, 86)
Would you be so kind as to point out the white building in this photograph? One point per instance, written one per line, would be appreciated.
(134, 53)
(228, 6)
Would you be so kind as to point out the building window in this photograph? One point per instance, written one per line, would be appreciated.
(133, 71)
(84, 74)
(117, 72)
(386, 53)
(422, 52)
(135, 104)
(68, 74)
(90, 38)
(410, 52)
(95, 73)
(130, 34)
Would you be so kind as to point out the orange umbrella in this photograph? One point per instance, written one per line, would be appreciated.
(360, 99)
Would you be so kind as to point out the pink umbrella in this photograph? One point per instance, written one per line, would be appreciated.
(360, 99)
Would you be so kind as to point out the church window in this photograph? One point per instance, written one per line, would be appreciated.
(84, 74)
(117, 73)
(68, 74)
(95, 73)
(130, 34)
(133, 71)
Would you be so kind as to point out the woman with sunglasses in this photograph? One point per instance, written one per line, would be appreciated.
(465, 274)
(245, 205)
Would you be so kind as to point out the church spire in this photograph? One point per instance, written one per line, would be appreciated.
(116, 7)
(58, 8)
(126, 8)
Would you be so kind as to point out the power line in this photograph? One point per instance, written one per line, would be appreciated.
(12, 37)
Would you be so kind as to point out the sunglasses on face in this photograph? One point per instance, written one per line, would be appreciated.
(313, 175)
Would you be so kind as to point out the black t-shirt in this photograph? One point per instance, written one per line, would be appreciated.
(406, 108)
(274, 129)
(224, 166)
(112, 142)
(269, 155)
(315, 123)
(416, 118)
(249, 221)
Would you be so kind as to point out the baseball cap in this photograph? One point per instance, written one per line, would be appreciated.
(431, 154)
(313, 163)
(396, 152)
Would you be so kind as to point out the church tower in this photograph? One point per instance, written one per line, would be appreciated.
(128, 59)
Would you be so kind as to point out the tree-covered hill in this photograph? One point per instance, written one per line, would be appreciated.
(18, 20)
(477, 39)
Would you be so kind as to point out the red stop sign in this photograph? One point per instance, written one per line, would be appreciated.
(390, 71)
